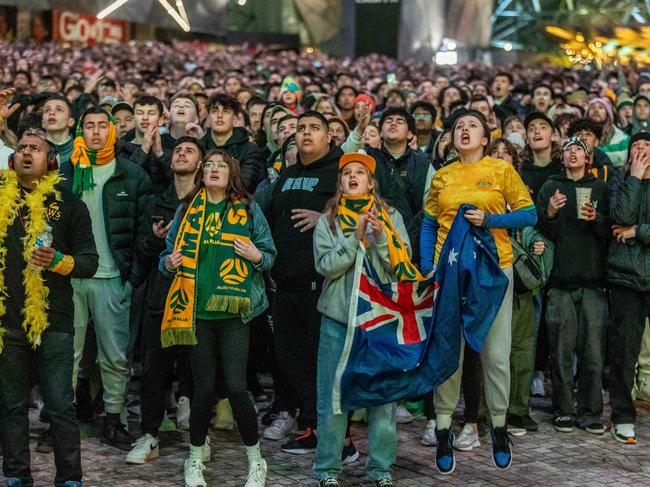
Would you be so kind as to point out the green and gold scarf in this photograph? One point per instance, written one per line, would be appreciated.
(230, 281)
(351, 207)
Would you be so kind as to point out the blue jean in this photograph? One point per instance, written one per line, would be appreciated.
(382, 433)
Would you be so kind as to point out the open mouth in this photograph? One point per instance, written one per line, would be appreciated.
(464, 139)
(353, 185)
(51, 120)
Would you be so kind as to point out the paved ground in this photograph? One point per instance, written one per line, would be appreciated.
(543, 458)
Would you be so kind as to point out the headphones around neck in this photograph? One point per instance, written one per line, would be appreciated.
(52, 161)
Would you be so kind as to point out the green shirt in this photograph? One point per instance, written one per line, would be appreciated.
(209, 260)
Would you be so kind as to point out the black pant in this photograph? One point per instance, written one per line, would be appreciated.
(629, 310)
(226, 342)
(296, 333)
(471, 381)
(54, 360)
(158, 368)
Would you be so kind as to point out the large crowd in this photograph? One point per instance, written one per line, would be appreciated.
(188, 219)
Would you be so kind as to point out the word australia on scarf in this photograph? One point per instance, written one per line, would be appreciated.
(404, 339)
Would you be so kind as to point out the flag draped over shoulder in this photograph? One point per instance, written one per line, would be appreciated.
(404, 338)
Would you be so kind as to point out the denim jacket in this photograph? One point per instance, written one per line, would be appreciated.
(260, 236)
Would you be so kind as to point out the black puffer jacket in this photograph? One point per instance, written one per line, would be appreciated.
(150, 248)
(628, 264)
(125, 198)
(251, 162)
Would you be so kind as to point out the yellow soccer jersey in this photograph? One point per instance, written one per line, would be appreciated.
(491, 185)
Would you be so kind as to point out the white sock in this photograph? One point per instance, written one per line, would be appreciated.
(254, 453)
(196, 453)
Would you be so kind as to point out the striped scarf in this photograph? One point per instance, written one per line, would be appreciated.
(351, 207)
(230, 280)
(83, 159)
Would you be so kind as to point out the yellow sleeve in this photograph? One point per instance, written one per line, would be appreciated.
(516, 193)
(431, 205)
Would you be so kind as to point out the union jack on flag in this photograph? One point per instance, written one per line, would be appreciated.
(388, 333)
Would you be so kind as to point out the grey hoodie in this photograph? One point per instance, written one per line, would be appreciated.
(335, 256)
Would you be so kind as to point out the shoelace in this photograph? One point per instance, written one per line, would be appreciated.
(330, 483)
(197, 467)
(256, 471)
(384, 483)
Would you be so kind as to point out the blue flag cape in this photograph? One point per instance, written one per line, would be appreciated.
(404, 339)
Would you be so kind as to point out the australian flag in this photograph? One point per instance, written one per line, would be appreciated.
(404, 339)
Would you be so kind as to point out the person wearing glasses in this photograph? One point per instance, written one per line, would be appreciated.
(218, 246)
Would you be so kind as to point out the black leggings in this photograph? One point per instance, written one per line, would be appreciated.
(225, 341)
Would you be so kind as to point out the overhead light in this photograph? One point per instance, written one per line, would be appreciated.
(241, 3)
(181, 10)
(446, 57)
(174, 15)
(507, 47)
(181, 19)
(111, 8)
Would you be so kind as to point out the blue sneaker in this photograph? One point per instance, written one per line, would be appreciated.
(501, 451)
(72, 483)
(14, 482)
(445, 461)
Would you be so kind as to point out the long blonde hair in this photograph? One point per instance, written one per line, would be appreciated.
(332, 207)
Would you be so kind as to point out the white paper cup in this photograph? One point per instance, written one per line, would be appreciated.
(583, 196)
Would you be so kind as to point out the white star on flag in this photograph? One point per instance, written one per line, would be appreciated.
(453, 256)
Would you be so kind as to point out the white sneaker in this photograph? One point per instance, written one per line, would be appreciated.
(183, 413)
(624, 432)
(194, 473)
(223, 418)
(207, 450)
(467, 439)
(144, 450)
(537, 388)
(281, 427)
(429, 434)
(256, 474)
(402, 415)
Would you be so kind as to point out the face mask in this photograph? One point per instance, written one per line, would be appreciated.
(516, 139)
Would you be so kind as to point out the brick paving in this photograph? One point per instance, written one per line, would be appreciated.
(542, 458)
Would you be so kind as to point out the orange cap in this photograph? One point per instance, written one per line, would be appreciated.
(359, 157)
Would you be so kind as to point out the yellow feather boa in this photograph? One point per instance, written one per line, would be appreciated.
(36, 292)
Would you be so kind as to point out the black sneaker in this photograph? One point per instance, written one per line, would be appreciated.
(303, 444)
(45, 442)
(349, 454)
(269, 417)
(524, 422)
(595, 428)
(501, 448)
(445, 461)
(564, 424)
(114, 434)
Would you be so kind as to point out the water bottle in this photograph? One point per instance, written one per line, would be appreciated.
(43, 240)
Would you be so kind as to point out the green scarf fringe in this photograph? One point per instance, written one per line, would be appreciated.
(82, 180)
(178, 336)
(236, 305)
